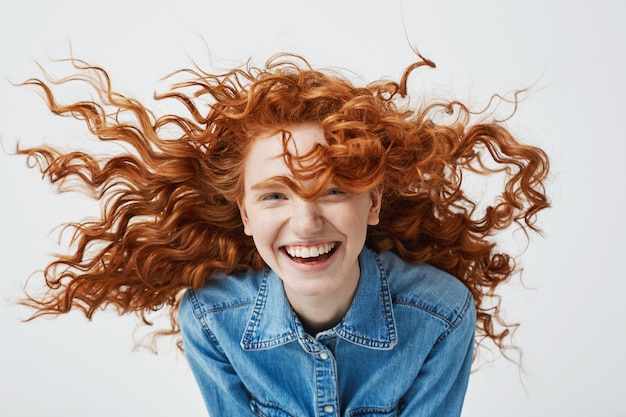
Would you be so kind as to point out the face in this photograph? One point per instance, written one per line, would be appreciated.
(313, 246)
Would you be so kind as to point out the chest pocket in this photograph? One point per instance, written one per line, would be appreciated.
(267, 410)
(392, 411)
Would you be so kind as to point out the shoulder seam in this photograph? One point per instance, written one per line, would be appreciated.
(469, 301)
(450, 321)
(201, 309)
(200, 316)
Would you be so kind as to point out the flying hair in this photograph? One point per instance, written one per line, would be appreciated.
(170, 219)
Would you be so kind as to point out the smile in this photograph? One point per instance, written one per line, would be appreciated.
(310, 252)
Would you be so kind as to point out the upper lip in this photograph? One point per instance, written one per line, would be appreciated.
(308, 244)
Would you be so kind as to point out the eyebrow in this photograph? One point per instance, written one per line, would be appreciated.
(271, 182)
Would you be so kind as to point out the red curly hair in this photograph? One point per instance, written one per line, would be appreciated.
(170, 218)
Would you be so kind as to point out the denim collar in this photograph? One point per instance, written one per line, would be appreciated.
(369, 322)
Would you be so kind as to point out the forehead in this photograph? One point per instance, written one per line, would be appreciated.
(265, 156)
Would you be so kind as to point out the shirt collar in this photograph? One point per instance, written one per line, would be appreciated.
(369, 322)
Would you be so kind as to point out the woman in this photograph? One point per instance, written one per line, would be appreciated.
(311, 237)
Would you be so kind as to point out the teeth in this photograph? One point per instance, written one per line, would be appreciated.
(309, 252)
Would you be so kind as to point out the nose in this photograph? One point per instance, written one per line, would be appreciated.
(306, 219)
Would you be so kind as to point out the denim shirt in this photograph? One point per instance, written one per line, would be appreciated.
(403, 348)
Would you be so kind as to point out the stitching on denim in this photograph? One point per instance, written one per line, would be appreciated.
(254, 401)
(441, 317)
(200, 315)
(371, 343)
(385, 294)
(369, 410)
(458, 319)
(268, 344)
(387, 301)
(200, 308)
(195, 303)
(253, 322)
(217, 309)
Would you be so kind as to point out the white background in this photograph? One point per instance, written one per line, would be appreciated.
(573, 332)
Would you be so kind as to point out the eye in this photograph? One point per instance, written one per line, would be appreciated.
(334, 194)
(335, 191)
(273, 197)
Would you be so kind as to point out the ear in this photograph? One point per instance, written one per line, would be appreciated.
(244, 218)
(376, 196)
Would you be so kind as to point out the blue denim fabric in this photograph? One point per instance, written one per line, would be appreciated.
(404, 347)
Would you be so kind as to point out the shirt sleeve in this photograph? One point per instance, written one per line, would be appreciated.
(440, 386)
(222, 390)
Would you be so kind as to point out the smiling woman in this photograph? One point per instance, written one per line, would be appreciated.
(311, 237)
(312, 245)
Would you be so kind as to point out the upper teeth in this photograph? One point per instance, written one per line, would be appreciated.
(309, 251)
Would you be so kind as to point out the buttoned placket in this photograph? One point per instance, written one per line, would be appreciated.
(264, 331)
(325, 374)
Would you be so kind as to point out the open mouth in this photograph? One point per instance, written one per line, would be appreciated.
(311, 254)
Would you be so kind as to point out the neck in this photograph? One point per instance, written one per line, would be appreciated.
(317, 319)
(321, 313)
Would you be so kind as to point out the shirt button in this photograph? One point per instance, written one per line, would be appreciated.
(324, 355)
(328, 409)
